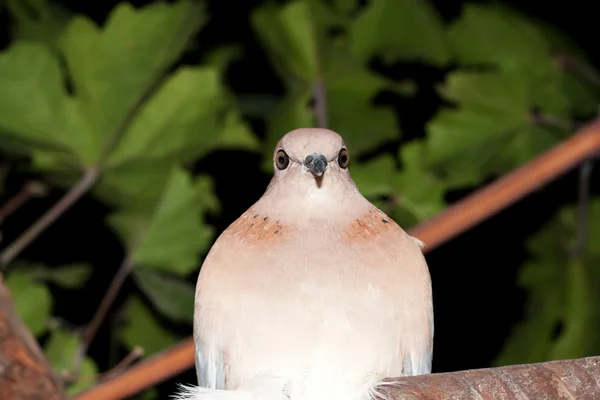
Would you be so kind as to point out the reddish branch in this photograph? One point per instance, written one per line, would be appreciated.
(24, 371)
(449, 224)
(510, 188)
(567, 379)
(147, 373)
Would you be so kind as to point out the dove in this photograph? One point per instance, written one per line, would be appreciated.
(313, 293)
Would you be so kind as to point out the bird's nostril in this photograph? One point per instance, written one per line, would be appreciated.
(308, 159)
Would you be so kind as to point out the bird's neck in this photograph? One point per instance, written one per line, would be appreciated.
(313, 205)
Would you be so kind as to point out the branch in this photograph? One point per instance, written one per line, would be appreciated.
(320, 97)
(585, 172)
(28, 191)
(75, 193)
(449, 224)
(567, 62)
(511, 188)
(157, 368)
(105, 304)
(574, 379)
(25, 374)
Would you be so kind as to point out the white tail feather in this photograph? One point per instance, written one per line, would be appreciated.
(200, 393)
(264, 388)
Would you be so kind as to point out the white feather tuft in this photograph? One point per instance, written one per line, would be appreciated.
(263, 388)
(189, 392)
(419, 242)
(380, 390)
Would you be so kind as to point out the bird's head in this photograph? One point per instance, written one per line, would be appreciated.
(311, 165)
(311, 154)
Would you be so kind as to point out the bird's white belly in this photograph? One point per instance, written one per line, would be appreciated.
(330, 342)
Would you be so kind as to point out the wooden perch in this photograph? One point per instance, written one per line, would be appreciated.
(571, 379)
(25, 374)
(456, 219)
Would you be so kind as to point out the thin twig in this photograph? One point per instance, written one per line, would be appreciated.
(122, 366)
(85, 183)
(28, 191)
(4, 170)
(320, 97)
(14, 203)
(105, 304)
(551, 120)
(137, 352)
(144, 374)
(565, 61)
(583, 201)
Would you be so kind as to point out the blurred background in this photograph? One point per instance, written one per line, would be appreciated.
(155, 123)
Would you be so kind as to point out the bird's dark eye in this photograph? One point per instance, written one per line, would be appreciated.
(343, 158)
(282, 160)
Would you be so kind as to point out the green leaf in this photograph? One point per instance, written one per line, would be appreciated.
(148, 394)
(517, 43)
(61, 349)
(35, 110)
(171, 296)
(562, 292)
(346, 6)
(350, 86)
(143, 330)
(171, 235)
(72, 276)
(222, 56)
(583, 99)
(237, 133)
(592, 247)
(112, 68)
(291, 113)
(38, 20)
(182, 116)
(288, 33)
(521, 49)
(375, 177)
(412, 194)
(351, 90)
(420, 192)
(400, 30)
(257, 105)
(32, 300)
(136, 185)
(490, 132)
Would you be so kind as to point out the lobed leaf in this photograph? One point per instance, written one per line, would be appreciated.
(171, 235)
(562, 310)
(112, 68)
(143, 330)
(171, 296)
(32, 300)
(407, 30)
(61, 349)
(288, 34)
(35, 110)
(491, 130)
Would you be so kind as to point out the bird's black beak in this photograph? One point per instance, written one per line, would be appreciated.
(316, 163)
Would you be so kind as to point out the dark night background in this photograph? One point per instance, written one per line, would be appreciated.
(476, 300)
